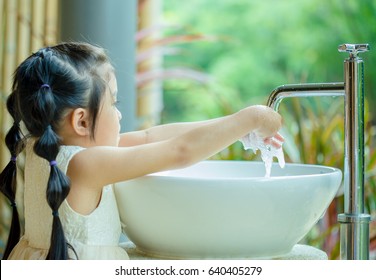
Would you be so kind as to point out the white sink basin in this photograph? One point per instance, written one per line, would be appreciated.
(225, 209)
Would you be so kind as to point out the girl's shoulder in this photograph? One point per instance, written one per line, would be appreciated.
(65, 154)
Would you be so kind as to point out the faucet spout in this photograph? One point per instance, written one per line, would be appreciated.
(304, 90)
(354, 223)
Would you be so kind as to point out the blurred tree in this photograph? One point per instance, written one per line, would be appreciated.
(267, 43)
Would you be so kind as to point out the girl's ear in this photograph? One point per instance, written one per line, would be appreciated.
(80, 122)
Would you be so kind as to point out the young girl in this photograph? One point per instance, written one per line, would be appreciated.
(65, 96)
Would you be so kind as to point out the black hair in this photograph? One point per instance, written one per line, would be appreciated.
(8, 177)
(46, 86)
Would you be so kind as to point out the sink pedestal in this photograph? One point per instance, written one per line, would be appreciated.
(298, 252)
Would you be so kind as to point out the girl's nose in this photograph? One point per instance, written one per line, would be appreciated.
(119, 114)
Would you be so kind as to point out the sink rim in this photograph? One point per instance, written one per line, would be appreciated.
(175, 174)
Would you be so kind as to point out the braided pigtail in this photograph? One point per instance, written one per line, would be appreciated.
(8, 177)
(57, 190)
(47, 147)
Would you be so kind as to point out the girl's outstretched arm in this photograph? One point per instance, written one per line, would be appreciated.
(159, 133)
(104, 165)
(93, 168)
(164, 132)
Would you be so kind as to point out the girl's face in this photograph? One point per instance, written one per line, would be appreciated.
(107, 132)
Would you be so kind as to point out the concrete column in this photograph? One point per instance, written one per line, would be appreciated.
(110, 24)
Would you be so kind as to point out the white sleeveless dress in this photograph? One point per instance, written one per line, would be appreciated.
(93, 237)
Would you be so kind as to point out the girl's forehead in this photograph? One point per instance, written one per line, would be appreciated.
(107, 72)
(111, 82)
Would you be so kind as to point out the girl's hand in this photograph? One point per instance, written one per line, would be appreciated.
(276, 141)
(265, 121)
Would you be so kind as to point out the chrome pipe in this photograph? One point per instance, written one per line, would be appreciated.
(354, 223)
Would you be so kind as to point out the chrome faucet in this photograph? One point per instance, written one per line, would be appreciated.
(354, 223)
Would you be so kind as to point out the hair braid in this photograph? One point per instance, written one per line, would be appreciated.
(8, 176)
(58, 186)
(47, 147)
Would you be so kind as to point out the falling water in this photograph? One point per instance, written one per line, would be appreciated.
(268, 152)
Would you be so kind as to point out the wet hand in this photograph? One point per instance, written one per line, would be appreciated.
(266, 121)
(276, 141)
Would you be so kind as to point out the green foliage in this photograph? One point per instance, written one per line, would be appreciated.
(264, 44)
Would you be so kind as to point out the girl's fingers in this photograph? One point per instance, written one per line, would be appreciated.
(276, 141)
(279, 137)
(276, 144)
